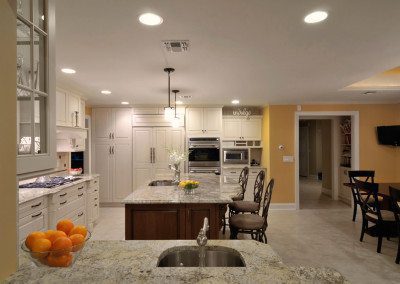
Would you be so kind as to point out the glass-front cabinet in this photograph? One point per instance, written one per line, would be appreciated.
(35, 90)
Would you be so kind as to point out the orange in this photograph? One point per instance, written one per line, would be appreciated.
(40, 248)
(59, 261)
(53, 235)
(78, 230)
(77, 241)
(62, 245)
(32, 237)
(65, 225)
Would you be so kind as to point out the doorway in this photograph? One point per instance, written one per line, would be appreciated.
(317, 162)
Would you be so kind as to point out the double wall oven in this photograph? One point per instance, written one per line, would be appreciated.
(204, 155)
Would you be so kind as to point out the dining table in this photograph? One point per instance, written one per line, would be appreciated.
(383, 190)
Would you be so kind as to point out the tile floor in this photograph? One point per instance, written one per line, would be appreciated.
(320, 234)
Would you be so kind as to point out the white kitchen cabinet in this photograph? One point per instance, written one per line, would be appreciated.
(151, 159)
(203, 121)
(82, 113)
(70, 109)
(61, 108)
(73, 110)
(92, 202)
(112, 152)
(242, 128)
(233, 173)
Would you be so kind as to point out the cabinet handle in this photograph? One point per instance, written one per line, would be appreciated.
(37, 215)
(36, 205)
(189, 214)
(62, 203)
(80, 214)
(154, 155)
(95, 181)
(109, 150)
(113, 135)
(62, 195)
(151, 155)
(233, 172)
(81, 187)
(95, 198)
(80, 195)
(113, 150)
(95, 190)
(109, 135)
(95, 205)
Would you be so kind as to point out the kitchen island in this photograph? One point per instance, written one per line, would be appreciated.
(136, 262)
(167, 212)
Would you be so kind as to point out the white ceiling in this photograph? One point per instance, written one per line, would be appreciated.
(258, 51)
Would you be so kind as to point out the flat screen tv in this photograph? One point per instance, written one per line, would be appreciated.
(389, 135)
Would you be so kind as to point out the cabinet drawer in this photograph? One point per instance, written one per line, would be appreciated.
(29, 207)
(68, 194)
(93, 190)
(77, 216)
(37, 221)
(69, 206)
(94, 182)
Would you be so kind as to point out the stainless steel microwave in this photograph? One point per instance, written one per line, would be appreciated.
(236, 156)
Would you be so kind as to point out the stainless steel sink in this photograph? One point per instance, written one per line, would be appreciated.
(192, 256)
(165, 182)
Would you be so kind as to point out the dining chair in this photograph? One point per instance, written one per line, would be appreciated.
(253, 224)
(395, 202)
(243, 179)
(383, 220)
(357, 198)
(247, 206)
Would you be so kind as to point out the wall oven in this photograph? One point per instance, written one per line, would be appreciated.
(204, 155)
(236, 156)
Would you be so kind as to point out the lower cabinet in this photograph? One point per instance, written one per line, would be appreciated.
(33, 216)
(171, 221)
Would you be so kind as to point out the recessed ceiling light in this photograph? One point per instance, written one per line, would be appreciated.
(150, 19)
(106, 92)
(124, 103)
(316, 17)
(179, 102)
(235, 102)
(68, 70)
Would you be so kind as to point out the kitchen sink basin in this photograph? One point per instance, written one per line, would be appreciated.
(165, 182)
(194, 256)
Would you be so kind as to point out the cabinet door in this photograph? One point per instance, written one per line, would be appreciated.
(161, 142)
(194, 120)
(102, 166)
(195, 218)
(251, 129)
(61, 108)
(122, 156)
(232, 129)
(73, 108)
(142, 155)
(101, 125)
(212, 120)
(122, 125)
(82, 113)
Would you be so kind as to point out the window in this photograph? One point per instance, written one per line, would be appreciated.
(32, 78)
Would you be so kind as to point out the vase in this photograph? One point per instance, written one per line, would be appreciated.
(189, 191)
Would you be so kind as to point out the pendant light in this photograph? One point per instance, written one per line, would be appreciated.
(175, 120)
(169, 111)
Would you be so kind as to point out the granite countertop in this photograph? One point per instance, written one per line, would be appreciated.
(212, 189)
(136, 262)
(27, 194)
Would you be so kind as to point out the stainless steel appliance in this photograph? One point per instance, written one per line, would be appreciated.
(204, 155)
(236, 156)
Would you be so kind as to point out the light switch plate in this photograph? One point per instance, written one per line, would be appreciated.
(288, 159)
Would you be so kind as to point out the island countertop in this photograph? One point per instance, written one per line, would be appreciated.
(136, 262)
(212, 189)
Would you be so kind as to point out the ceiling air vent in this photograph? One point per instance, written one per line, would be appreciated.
(175, 46)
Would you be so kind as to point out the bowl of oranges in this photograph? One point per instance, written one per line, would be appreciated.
(56, 248)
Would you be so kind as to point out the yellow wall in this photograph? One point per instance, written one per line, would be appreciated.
(8, 122)
(383, 159)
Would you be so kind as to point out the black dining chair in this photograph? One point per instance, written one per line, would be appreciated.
(383, 220)
(247, 206)
(366, 176)
(253, 224)
(395, 202)
(243, 179)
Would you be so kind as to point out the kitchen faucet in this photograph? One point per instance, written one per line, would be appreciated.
(177, 173)
(202, 237)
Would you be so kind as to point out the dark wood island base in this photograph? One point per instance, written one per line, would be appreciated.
(172, 221)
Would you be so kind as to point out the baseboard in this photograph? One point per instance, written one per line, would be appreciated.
(282, 206)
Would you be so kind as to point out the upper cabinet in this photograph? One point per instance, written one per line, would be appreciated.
(70, 109)
(35, 90)
(204, 121)
(238, 128)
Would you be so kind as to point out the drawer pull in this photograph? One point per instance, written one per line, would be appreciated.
(95, 205)
(95, 181)
(233, 172)
(80, 195)
(62, 203)
(36, 205)
(95, 198)
(62, 195)
(80, 214)
(36, 215)
(80, 187)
